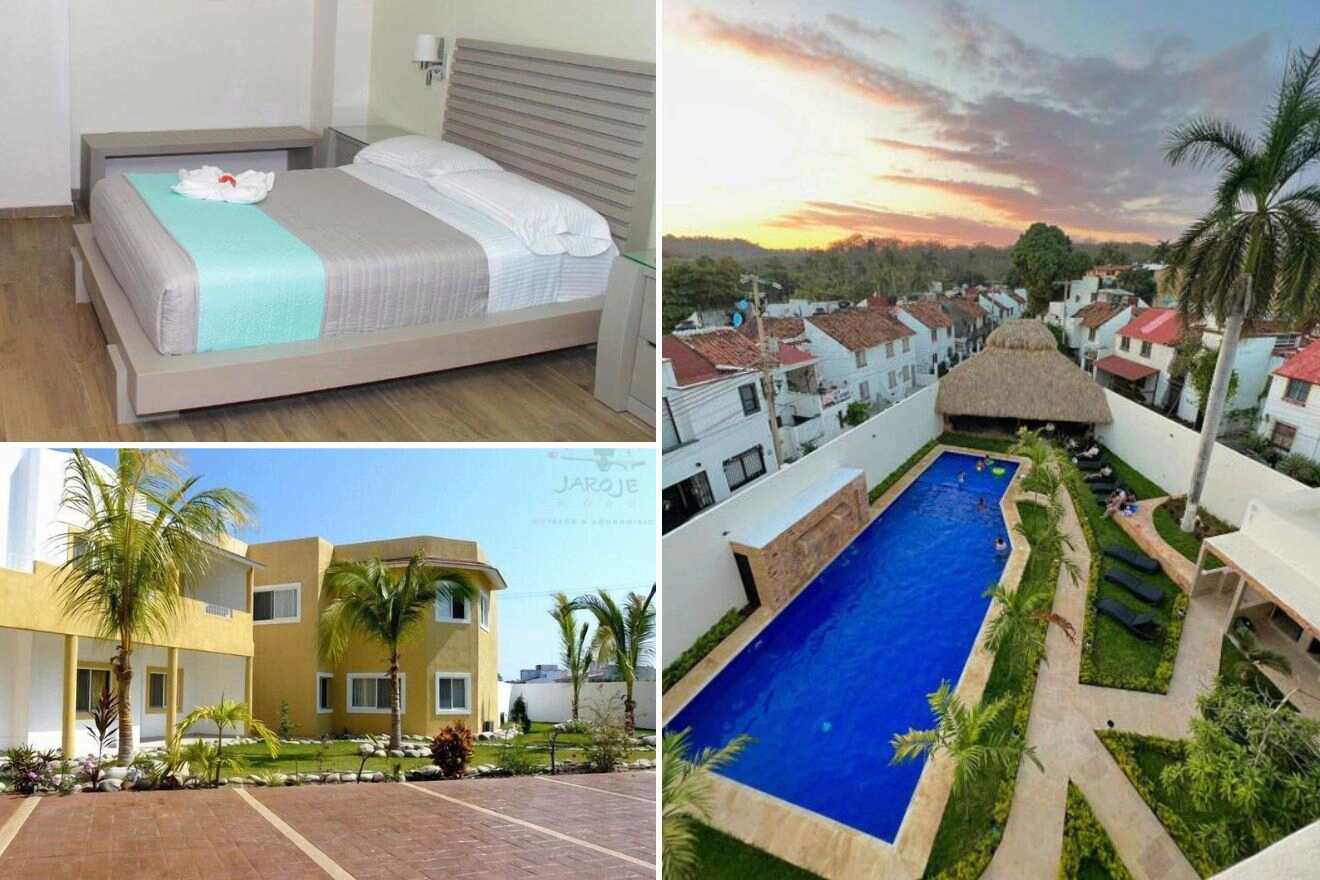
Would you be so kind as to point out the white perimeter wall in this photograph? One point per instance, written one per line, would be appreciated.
(1164, 451)
(701, 581)
(552, 701)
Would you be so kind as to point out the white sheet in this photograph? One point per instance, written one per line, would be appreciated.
(518, 278)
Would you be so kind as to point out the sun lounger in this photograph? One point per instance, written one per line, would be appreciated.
(1139, 561)
(1093, 464)
(1141, 625)
(1103, 488)
(1148, 593)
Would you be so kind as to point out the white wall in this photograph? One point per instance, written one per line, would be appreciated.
(352, 86)
(701, 581)
(1164, 452)
(552, 701)
(34, 95)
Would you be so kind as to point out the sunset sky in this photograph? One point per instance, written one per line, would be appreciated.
(795, 124)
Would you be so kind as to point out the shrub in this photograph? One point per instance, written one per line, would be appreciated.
(1084, 838)
(286, 726)
(884, 485)
(516, 759)
(451, 749)
(704, 644)
(856, 413)
(518, 715)
(607, 745)
(1300, 468)
(29, 769)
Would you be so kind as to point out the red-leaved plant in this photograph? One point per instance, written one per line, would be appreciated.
(451, 749)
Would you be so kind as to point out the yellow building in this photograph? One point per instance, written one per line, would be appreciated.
(448, 670)
(53, 666)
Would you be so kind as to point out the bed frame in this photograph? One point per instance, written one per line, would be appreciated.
(583, 124)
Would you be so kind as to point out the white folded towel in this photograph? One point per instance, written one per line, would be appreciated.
(215, 185)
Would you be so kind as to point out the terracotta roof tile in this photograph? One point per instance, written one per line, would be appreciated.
(1304, 365)
(689, 367)
(1160, 326)
(1098, 313)
(1130, 370)
(857, 329)
(968, 310)
(780, 328)
(927, 313)
(724, 348)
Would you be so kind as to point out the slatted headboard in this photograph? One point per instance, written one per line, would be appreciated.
(583, 124)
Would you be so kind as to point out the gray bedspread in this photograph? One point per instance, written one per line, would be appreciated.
(387, 264)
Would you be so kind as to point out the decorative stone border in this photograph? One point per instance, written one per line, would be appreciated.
(809, 839)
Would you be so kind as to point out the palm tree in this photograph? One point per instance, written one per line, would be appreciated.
(573, 650)
(224, 715)
(625, 637)
(976, 739)
(1255, 657)
(371, 599)
(140, 539)
(685, 799)
(1014, 628)
(1048, 539)
(1256, 253)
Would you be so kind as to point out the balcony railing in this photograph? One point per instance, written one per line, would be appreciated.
(835, 395)
(219, 610)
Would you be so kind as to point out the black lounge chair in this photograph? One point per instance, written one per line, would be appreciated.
(1148, 593)
(1139, 561)
(1103, 488)
(1093, 464)
(1141, 625)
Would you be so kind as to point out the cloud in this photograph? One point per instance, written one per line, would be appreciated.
(877, 222)
(1071, 139)
(850, 25)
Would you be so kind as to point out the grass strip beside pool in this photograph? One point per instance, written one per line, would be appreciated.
(726, 858)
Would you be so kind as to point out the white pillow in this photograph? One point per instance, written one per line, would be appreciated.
(419, 156)
(547, 221)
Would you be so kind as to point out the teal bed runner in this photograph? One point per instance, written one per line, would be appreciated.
(257, 283)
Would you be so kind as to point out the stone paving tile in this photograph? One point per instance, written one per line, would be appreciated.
(639, 783)
(393, 831)
(615, 823)
(8, 804)
(176, 835)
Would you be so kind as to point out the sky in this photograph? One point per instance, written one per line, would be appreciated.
(793, 124)
(549, 520)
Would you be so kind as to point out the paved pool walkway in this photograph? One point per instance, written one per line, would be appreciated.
(599, 826)
(1064, 718)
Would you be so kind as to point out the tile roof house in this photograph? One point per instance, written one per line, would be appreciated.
(1157, 326)
(970, 324)
(934, 339)
(859, 329)
(1290, 414)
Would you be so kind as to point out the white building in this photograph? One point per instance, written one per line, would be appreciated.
(1139, 367)
(933, 339)
(1077, 294)
(53, 666)
(1290, 416)
(715, 432)
(864, 352)
(1092, 329)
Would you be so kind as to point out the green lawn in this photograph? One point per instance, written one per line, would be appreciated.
(342, 755)
(969, 818)
(1185, 543)
(1230, 656)
(1117, 655)
(976, 441)
(1088, 851)
(726, 858)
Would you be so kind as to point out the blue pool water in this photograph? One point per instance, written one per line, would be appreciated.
(850, 661)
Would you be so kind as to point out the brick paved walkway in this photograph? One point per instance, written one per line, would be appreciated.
(525, 828)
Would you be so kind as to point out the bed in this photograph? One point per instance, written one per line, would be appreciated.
(411, 282)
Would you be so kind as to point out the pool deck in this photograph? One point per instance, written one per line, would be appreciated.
(808, 839)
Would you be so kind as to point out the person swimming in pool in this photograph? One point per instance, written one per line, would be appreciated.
(981, 505)
(1001, 546)
(962, 476)
(980, 465)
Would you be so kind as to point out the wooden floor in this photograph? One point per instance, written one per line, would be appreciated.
(55, 380)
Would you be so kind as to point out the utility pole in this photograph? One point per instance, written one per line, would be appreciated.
(766, 361)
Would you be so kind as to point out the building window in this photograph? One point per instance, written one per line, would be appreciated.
(1125, 342)
(453, 609)
(280, 603)
(889, 349)
(684, 500)
(1296, 391)
(1091, 336)
(91, 683)
(864, 390)
(324, 693)
(1145, 349)
(157, 681)
(742, 469)
(859, 358)
(484, 609)
(907, 344)
(934, 334)
(369, 693)
(750, 402)
(1283, 436)
(893, 379)
(453, 692)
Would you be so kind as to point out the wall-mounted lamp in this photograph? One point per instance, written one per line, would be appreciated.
(429, 53)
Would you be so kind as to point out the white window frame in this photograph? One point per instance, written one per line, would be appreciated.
(330, 708)
(348, 693)
(483, 610)
(467, 692)
(859, 358)
(270, 588)
(443, 617)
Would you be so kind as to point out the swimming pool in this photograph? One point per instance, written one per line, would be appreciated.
(849, 662)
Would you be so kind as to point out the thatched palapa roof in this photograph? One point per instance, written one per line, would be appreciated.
(1022, 375)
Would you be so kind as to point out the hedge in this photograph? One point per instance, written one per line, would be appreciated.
(1084, 838)
(887, 483)
(704, 644)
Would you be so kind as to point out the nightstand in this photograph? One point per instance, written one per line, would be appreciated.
(626, 354)
(342, 142)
